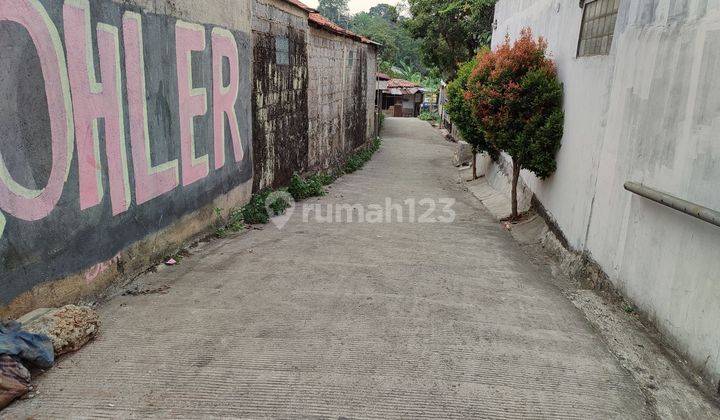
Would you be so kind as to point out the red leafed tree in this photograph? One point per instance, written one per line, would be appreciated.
(515, 93)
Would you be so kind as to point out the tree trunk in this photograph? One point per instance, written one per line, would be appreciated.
(474, 165)
(516, 175)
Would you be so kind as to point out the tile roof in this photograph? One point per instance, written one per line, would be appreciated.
(382, 76)
(324, 23)
(400, 83)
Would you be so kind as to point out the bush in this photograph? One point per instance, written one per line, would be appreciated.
(358, 160)
(517, 98)
(460, 110)
(381, 120)
(429, 116)
(301, 189)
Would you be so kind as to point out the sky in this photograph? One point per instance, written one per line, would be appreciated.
(356, 6)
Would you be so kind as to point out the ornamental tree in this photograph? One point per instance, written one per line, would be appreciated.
(461, 113)
(516, 95)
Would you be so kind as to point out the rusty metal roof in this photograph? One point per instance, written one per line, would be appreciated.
(382, 76)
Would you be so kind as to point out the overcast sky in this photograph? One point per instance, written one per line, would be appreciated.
(356, 5)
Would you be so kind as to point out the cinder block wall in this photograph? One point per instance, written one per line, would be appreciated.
(280, 97)
(341, 96)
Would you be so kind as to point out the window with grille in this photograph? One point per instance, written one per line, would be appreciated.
(350, 58)
(598, 25)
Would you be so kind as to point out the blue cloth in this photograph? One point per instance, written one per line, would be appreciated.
(35, 349)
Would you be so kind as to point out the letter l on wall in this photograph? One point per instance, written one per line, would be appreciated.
(150, 181)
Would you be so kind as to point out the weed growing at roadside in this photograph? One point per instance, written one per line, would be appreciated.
(358, 160)
(301, 189)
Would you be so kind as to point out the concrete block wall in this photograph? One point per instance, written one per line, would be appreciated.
(125, 124)
(280, 96)
(648, 112)
(341, 93)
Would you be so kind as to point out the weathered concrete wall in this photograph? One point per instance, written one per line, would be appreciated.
(341, 96)
(648, 112)
(280, 79)
(117, 123)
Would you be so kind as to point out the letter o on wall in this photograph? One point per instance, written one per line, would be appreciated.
(16, 199)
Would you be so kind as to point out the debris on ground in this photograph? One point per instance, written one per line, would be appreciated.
(14, 380)
(20, 347)
(171, 261)
(69, 327)
(137, 291)
(30, 347)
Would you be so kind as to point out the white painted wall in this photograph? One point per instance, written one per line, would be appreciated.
(648, 112)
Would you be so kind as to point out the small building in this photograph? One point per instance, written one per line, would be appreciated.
(399, 98)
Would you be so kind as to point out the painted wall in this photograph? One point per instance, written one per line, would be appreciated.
(341, 96)
(124, 124)
(649, 112)
(280, 80)
(115, 123)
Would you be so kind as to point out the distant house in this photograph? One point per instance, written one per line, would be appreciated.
(399, 98)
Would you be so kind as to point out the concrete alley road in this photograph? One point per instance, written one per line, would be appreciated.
(413, 320)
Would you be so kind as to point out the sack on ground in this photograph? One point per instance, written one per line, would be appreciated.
(33, 349)
(14, 380)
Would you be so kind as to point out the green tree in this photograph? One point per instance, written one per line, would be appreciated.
(335, 10)
(397, 44)
(461, 112)
(450, 31)
(517, 97)
(385, 11)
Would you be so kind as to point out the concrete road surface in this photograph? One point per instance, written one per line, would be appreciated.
(337, 319)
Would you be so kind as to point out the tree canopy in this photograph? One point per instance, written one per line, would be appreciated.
(460, 109)
(516, 96)
(383, 24)
(450, 31)
(335, 10)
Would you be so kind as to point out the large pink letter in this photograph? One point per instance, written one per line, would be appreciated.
(224, 97)
(92, 100)
(193, 102)
(16, 199)
(150, 181)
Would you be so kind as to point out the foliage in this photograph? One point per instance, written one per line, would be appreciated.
(358, 160)
(430, 81)
(517, 97)
(429, 116)
(450, 31)
(301, 189)
(385, 11)
(460, 110)
(381, 120)
(382, 24)
(335, 10)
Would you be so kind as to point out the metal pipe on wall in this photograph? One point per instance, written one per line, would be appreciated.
(692, 209)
